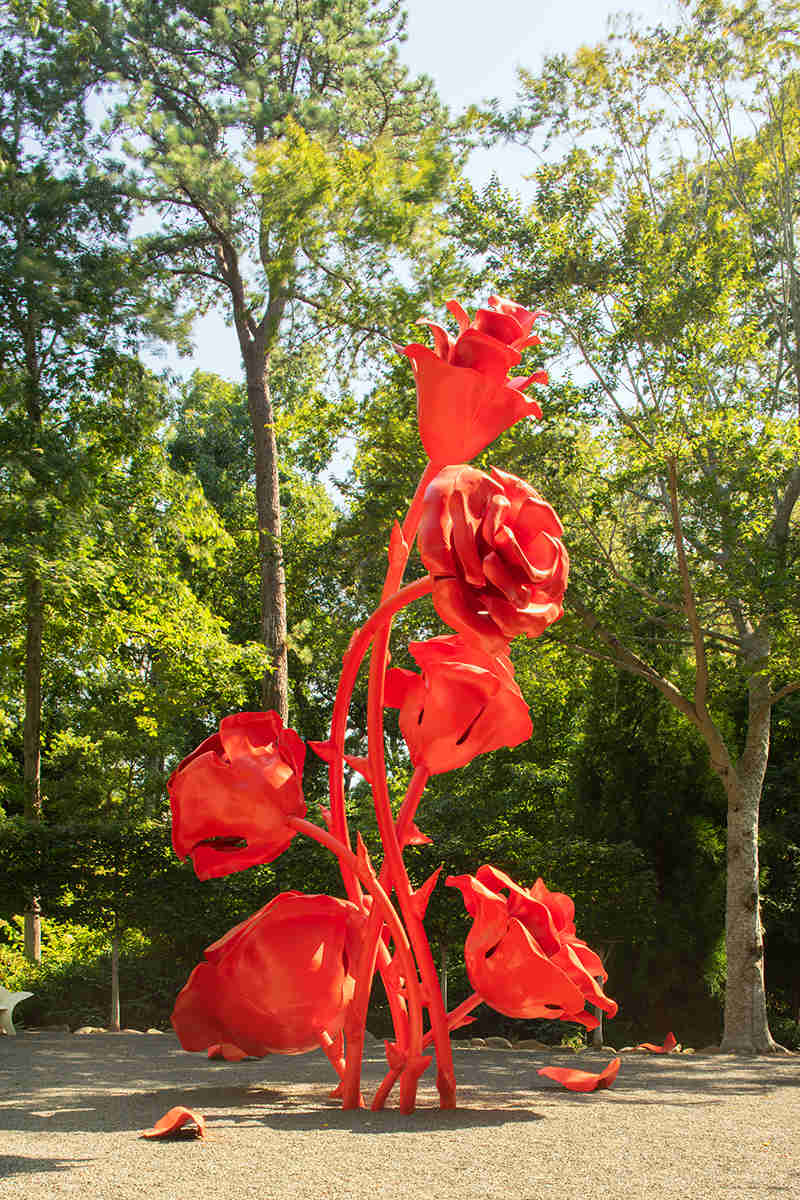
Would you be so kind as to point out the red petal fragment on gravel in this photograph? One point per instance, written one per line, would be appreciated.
(583, 1081)
(173, 1120)
(670, 1042)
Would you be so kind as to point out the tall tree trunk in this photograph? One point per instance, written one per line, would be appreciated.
(275, 686)
(746, 1027)
(114, 1022)
(31, 741)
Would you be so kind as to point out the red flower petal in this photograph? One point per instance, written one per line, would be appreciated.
(485, 354)
(466, 703)
(460, 314)
(173, 1120)
(583, 1081)
(273, 981)
(500, 325)
(227, 1051)
(442, 341)
(670, 1042)
(523, 316)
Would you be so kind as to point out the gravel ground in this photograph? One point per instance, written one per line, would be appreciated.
(689, 1126)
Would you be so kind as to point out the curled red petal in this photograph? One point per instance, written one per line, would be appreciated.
(175, 1119)
(524, 316)
(670, 1042)
(520, 382)
(442, 341)
(463, 611)
(480, 352)
(501, 325)
(583, 1081)
(459, 312)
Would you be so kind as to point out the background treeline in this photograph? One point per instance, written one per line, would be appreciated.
(173, 549)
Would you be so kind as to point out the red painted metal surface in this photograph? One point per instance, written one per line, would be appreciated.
(583, 1081)
(299, 973)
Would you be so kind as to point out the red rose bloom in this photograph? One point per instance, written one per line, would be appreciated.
(231, 797)
(494, 549)
(465, 398)
(277, 981)
(466, 702)
(522, 955)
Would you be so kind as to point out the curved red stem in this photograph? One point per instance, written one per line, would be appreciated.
(382, 902)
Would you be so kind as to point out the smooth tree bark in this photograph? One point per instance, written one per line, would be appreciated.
(114, 1013)
(275, 682)
(32, 741)
(34, 618)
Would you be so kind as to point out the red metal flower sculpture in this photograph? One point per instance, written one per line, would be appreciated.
(465, 397)
(494, 549)
(230, 798)
(465, 703)
(276, 983)
(298, 973)
(522, 953)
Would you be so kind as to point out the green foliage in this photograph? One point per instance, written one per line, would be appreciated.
(71, 986)
(290, 158)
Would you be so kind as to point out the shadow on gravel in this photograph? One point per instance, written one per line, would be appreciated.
(15, 1164)
(63, 1083)
(423, 1120)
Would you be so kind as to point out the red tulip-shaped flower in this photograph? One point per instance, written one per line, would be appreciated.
(465, 397)
(277, 981)
(231, 797)
(466, 702)
(494, 549)
(522, 955)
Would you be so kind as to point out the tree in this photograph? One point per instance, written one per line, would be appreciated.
(290, 162)
(70, 303)
(663, 240)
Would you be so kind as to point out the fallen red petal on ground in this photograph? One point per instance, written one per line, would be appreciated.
(173, 1120)
(583, 1081)
(670, 1042)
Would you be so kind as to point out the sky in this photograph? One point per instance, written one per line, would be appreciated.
(470, 58)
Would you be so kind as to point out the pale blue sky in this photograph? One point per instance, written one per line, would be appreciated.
(471, 49)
